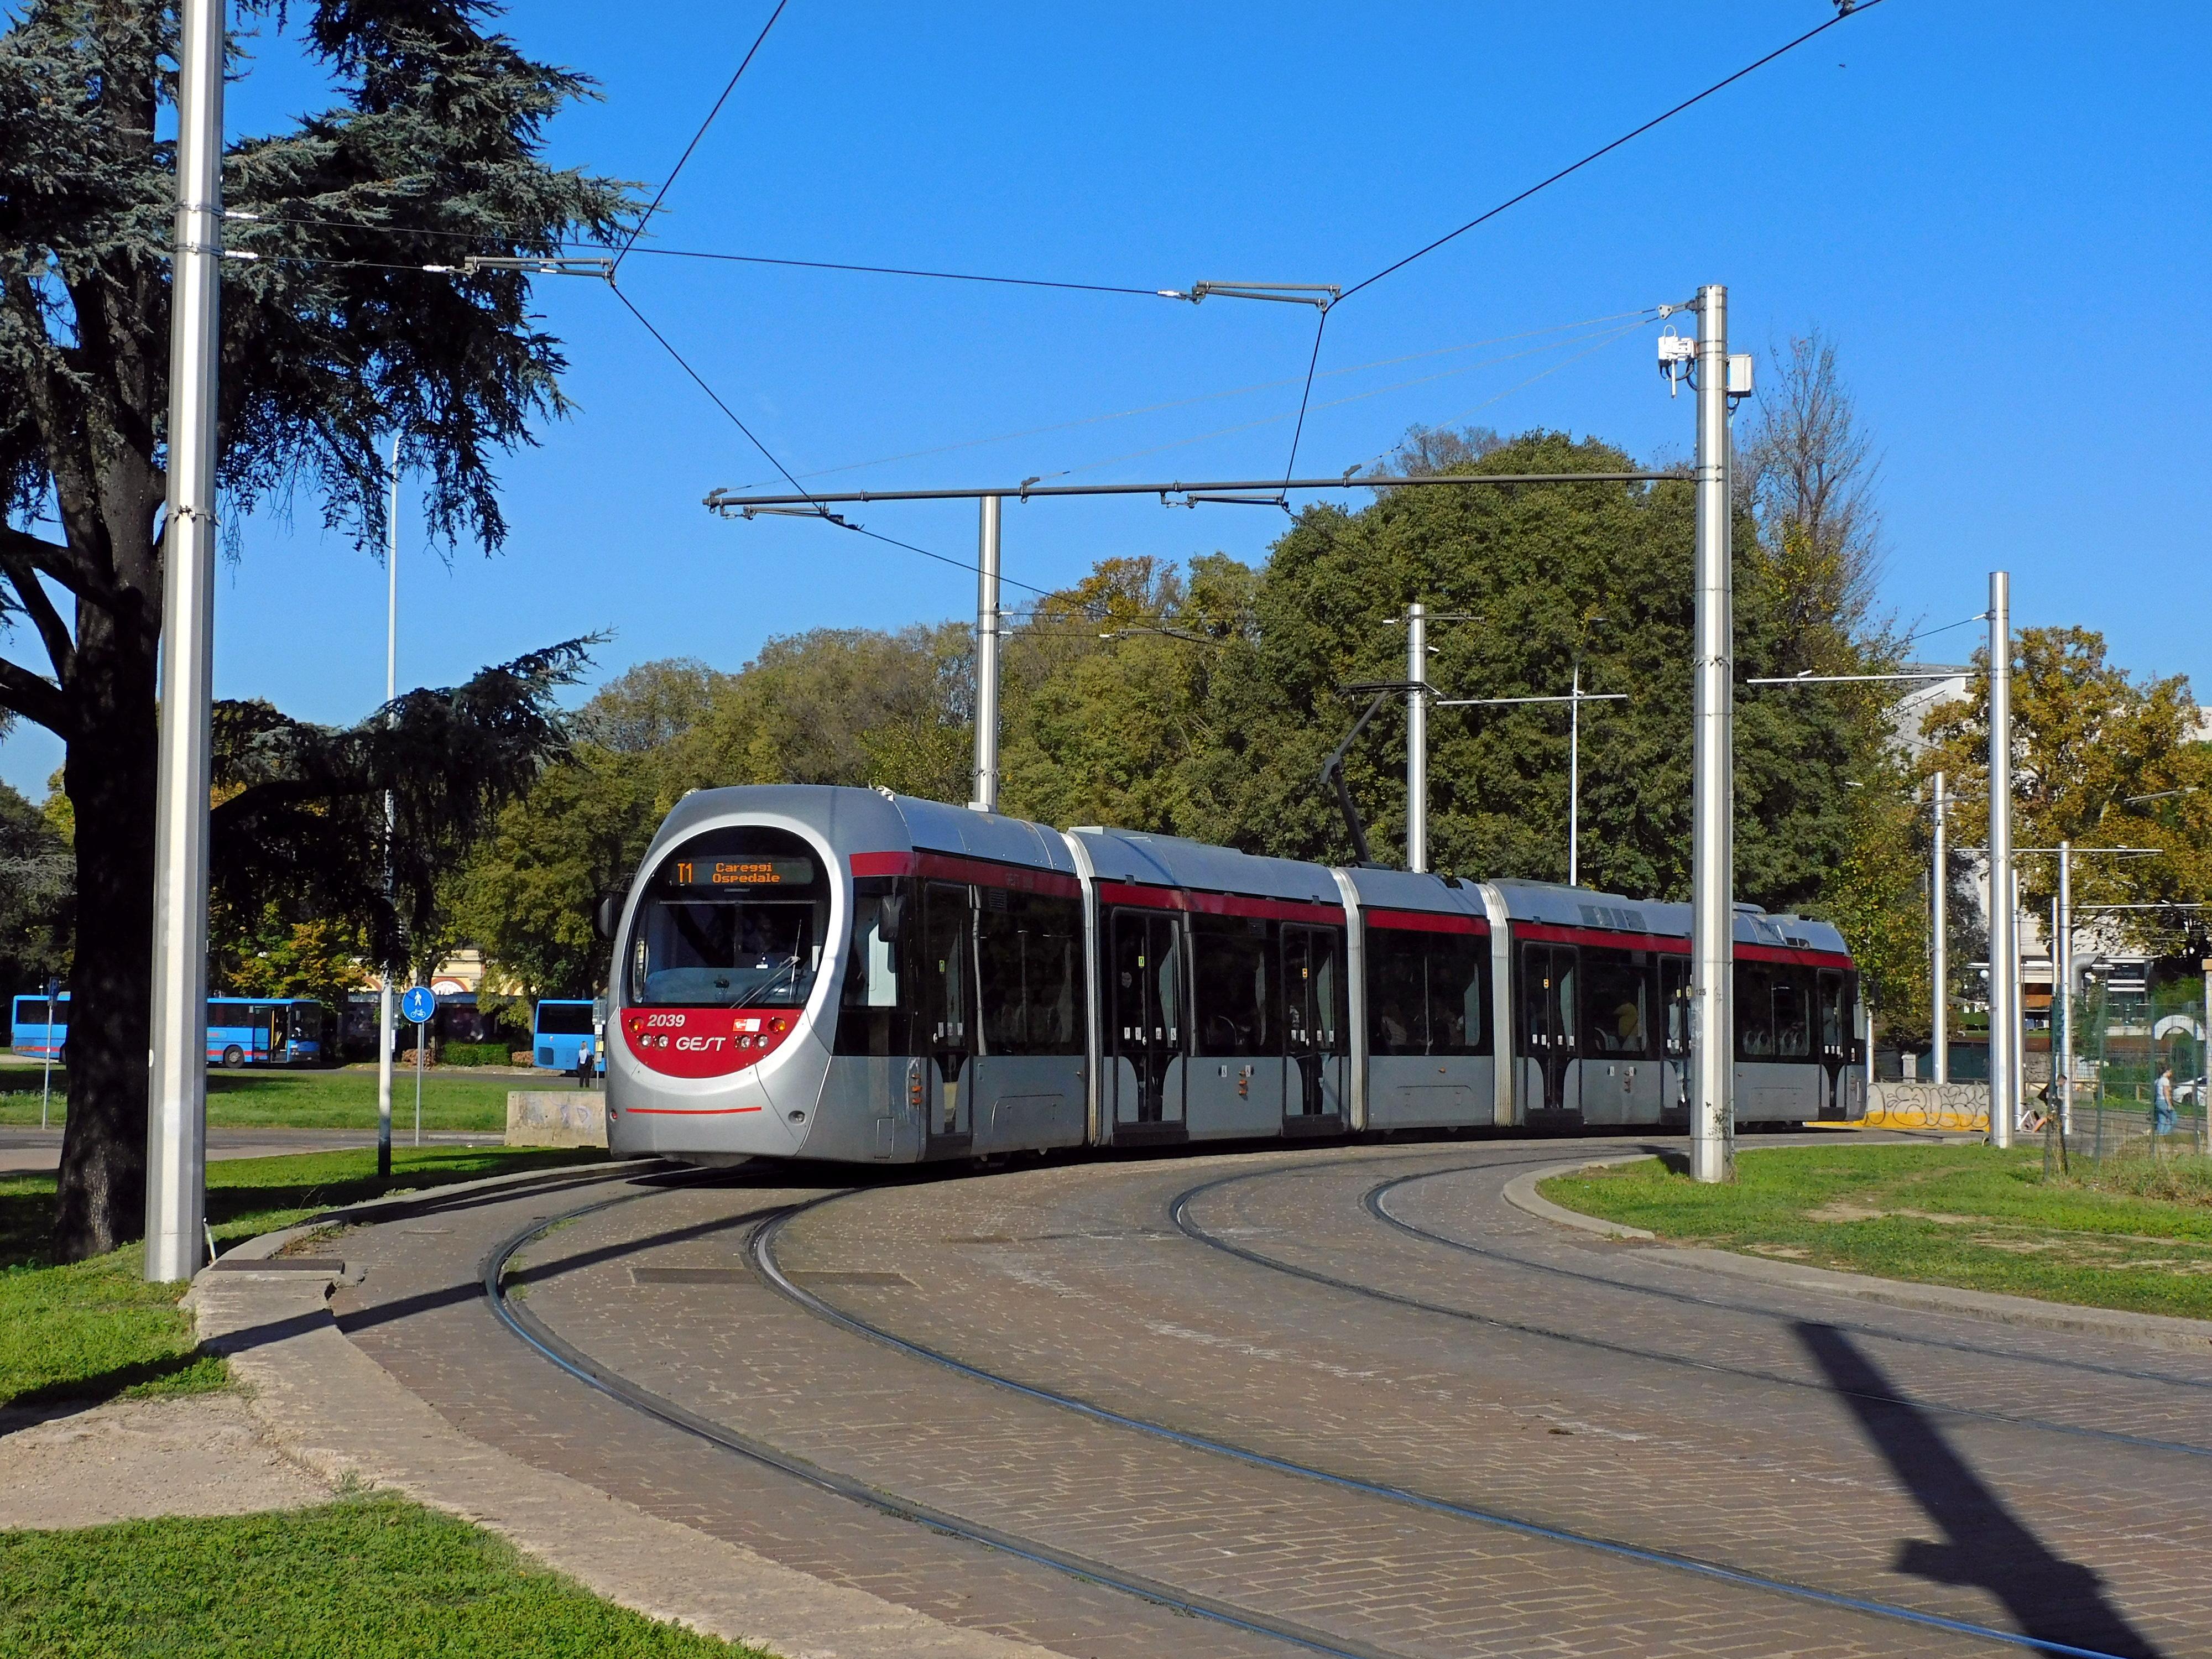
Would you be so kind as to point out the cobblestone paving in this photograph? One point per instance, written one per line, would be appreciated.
(1732, 1422)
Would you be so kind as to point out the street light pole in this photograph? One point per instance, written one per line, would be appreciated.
(1712, 862)
(176, 1198)
(1938, 1040)
(1574, 779)
(2062, 975)
(986, 794)
(383, 1015)
(1417, 737)
(2004, 1086)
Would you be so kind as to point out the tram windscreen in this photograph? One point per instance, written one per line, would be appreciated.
(756, 942)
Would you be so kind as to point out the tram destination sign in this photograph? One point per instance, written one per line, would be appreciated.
(724, 873)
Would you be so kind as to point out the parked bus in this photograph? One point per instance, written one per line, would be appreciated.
(560, 1034)
(35, 1032)
(271, 1032)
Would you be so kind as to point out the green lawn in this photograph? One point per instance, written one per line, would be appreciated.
(90, 1330)
(363, 1578)
(454, 1097)
(2127, 1234)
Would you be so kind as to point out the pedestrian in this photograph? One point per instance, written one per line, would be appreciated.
(2162, 1111)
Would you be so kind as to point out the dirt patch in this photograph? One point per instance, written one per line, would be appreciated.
(130, 1459)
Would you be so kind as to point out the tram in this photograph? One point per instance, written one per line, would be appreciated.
(803, 970)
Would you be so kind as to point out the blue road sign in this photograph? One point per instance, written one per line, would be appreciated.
(418, 1004)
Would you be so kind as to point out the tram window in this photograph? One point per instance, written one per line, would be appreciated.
(1755, 1012)
(1617, 984)
(1313, 991)
(1832, 1026)
(734, 918)
(1028, 949)
(1425, 992)
(874, 1015)
(1793, 1027)
(1233, 972)
(1674, 995)
(947, 973)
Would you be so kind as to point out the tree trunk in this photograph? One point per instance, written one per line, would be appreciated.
(109, 776)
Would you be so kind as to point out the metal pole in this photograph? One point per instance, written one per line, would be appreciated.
(985, 798)
(1712, 856)
(1417, 737)
(2004, 1086)
(2018, 1033)
(1939, 996)
(1575, 781)
(421, 1042)
(46, 1084)
(176, 1125)
(383, 1015)
(2204, 1064)
(2062, 987)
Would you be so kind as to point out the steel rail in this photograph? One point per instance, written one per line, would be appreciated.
(1193, 1230)
(534, 1333)
(1380, 1212)
(764, 1258)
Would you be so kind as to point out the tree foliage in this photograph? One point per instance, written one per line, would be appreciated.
(37, 892)
(331, 337)
(2090, 743)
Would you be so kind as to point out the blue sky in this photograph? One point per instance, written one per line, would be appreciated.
(1995, 211)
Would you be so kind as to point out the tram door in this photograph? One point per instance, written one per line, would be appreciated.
(1548, 992)
(1314, 989)
(948, 1011)
(1833, 1015)
(1146, 1019)
(1675, 1012)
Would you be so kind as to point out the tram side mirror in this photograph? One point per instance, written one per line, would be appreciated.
(606, 914)
(890, 915)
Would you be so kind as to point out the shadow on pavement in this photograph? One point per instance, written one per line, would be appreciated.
(1985, 1545)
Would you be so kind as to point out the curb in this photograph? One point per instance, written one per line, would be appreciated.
(1520, 1193)
(336, 1412)
(2162, 1331)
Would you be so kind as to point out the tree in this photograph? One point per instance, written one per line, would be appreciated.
(332, 337)
(2090, 743)
(37, 890)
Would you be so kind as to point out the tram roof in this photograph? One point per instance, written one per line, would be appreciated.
(856, 820)
(1579, 906)
(1171, 861)
(1409, 890)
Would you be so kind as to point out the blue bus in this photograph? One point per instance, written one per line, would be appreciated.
(560, 1034)
(240, 1030)
(37, 1032)
(271, 1032)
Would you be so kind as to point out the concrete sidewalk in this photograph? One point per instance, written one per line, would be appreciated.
(339, 1414)
(29, 1150)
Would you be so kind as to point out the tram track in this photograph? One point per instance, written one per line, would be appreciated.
(768, 1221)
(762, 1255)
(1371, 1201)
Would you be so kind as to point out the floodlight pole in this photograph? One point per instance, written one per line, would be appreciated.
(2004, 1086)
(2062, 974)
(176, 1123)
(1575, 778)
(1417, 737)
(986, 794)
(1939, 942)
(1712, 862)
(384, 1013)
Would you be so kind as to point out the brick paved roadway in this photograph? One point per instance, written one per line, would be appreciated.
(1727, 1420)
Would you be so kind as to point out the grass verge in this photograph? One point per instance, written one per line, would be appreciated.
(455, 1098)
(2125, 1234)
(91, 1330)
(359, 1579)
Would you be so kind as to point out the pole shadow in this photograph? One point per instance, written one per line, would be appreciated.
(1985, 1546)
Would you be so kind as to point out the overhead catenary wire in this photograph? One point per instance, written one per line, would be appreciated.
(820, 509)
(662, 194)
(1545, 183)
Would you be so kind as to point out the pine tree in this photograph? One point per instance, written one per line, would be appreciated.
(332, 337)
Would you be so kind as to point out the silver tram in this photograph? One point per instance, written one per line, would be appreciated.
(845, 974)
